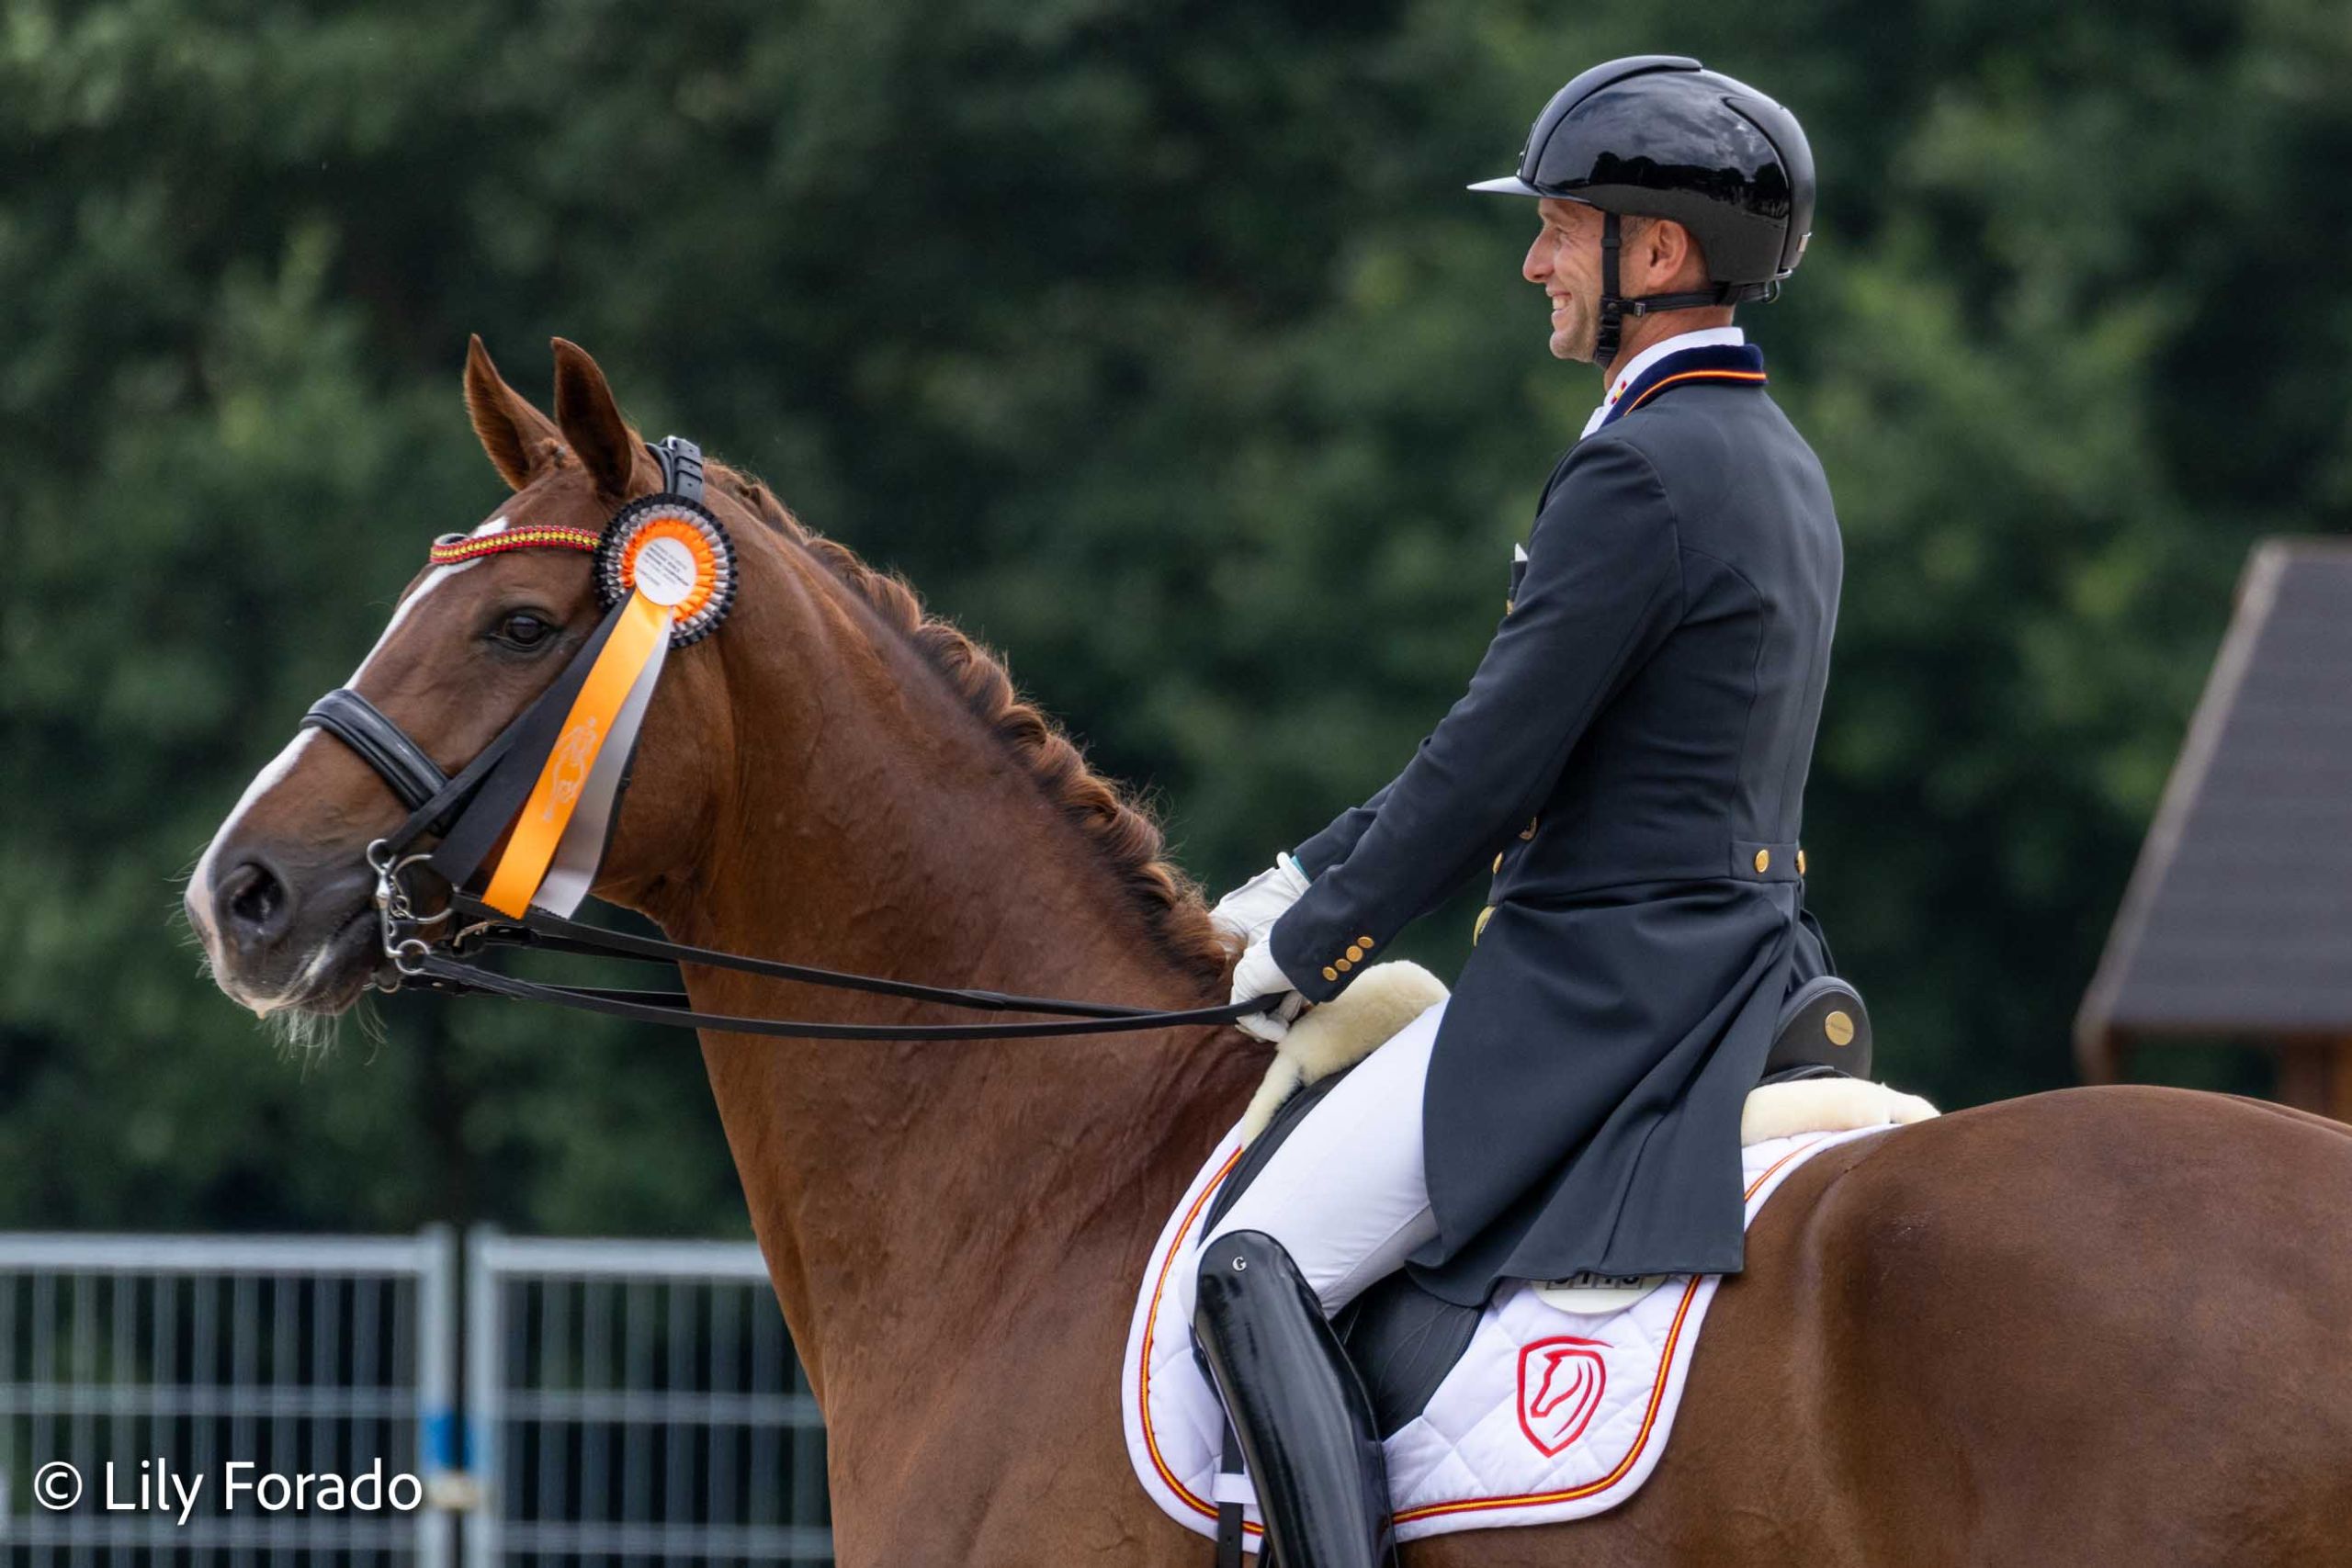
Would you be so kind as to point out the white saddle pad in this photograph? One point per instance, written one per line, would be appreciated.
(1552, 1414)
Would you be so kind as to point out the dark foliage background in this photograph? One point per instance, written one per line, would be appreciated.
(1159, 344)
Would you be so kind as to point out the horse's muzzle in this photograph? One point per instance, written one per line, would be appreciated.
(285, 935)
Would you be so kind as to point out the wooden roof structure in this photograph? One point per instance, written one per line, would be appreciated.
(2237, 921)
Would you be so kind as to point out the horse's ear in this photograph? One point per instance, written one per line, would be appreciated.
(517, 436)
(592, 425)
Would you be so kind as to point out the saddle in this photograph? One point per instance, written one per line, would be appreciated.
(1553, 1401)
(1402, 1339)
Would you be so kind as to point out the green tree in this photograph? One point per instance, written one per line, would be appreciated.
(1160, 346)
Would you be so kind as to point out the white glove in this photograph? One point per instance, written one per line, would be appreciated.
(1259, 976)
(1250, 911)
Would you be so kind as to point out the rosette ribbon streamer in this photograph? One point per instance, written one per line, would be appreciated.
(551, 785)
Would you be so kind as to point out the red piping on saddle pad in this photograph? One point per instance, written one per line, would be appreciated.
(1434, 1510)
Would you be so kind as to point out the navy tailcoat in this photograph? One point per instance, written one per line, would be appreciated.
(1630, 760)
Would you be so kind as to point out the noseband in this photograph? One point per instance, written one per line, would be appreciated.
(521, 768)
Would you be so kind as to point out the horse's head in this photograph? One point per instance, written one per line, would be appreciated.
(283, 897)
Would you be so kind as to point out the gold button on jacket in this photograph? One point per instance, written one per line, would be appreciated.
(1667, 643)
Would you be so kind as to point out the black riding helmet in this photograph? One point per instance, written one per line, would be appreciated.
(1661, 136)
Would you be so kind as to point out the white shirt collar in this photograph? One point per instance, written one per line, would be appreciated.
(1705, 337)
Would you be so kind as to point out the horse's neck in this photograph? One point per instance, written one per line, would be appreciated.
(896, 1190)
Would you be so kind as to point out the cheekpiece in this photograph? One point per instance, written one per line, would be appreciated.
(678, 555)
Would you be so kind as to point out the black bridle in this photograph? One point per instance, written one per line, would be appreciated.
(470, 810)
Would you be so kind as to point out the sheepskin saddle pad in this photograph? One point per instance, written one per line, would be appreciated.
(1552, 1403)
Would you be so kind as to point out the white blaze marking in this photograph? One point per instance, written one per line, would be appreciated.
(200, 881)
(439, 575)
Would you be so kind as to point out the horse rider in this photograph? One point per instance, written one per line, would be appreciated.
(1629, 758)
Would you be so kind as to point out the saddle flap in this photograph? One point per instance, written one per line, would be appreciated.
(1404, 1341)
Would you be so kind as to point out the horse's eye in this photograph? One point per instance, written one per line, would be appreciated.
(524, 630)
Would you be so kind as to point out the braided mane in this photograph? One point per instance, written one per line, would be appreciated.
(1122, 830)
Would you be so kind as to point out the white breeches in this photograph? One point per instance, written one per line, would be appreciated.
(1346, 1194)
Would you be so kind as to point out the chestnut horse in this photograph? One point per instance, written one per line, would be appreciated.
(2099, 1327)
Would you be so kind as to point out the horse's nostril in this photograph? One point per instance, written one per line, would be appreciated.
(254, 901)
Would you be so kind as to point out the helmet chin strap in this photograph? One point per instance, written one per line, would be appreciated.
(1608, 336)
(1613, 307)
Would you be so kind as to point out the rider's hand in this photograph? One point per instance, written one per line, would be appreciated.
(1259, 976)
(1250, 911)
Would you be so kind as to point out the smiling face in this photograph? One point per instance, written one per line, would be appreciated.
(1565, 262)
(282, 900)
(1656, 255)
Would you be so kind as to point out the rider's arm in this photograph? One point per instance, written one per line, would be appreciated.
(1329, 847)
(1602, 588)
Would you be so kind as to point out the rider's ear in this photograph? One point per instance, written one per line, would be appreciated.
(593, 424)
(518, 437)
(1675, 247)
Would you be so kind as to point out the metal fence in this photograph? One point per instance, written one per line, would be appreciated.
(637, 1399)
(626, 1400)
(149, 1364)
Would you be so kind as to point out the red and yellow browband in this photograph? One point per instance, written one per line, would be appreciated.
(664, 571)
(539, 536)
(698, 545)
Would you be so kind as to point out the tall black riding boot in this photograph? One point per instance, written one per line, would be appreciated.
(1305, 1423)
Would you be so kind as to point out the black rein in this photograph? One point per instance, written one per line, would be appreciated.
(469, 811)
(553, 933)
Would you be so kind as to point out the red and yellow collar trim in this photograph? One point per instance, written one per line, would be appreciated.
(1734, 364)
(1655, 388)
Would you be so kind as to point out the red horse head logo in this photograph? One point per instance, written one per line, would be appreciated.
(1560, 1383)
